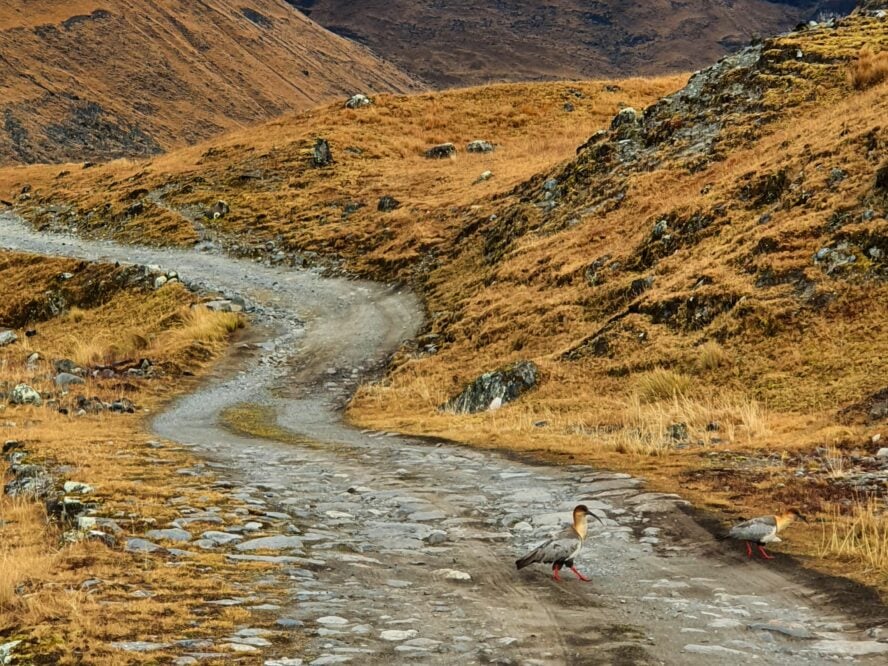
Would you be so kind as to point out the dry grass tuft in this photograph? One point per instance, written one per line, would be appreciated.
(858, 536)
(711, 356)
(663, 384)
(869, 69)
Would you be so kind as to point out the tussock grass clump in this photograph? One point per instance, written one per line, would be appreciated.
(860, 536)
(663, 384)
(870, 69)
(711, 356)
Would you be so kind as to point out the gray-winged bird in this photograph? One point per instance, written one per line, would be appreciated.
(763, 529)
(563, 547)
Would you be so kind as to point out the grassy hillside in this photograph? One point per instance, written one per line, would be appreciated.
(702, 283)
(88, 80)
(462, 43)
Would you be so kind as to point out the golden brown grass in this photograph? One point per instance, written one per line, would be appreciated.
(858, 535)
(41, 598)
(773, 369)
(869, 69)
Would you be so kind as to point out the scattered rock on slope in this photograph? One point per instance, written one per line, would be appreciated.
(7, 338)
(321, 155)
(358, 101)
(23, 394)
(441, 151)
(496, 388)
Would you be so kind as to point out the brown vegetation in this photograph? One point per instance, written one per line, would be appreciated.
(94, 81)
(44, 599)
(714, 353)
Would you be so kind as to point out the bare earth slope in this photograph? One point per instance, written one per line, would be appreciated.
(459, 43)
(85, 79)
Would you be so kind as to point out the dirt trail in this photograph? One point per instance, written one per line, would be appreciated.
(378, 522)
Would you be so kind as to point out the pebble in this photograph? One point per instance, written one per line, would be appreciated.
(141, 546)
(139, 646)
(453, 574)
(396, 635)
(172, 534)
(332, 620)
(279, 542)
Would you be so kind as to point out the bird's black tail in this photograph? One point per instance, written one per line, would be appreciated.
(526, 560)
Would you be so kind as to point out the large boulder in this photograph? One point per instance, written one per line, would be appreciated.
(493, 389)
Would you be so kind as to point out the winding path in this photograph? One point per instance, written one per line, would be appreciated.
(379, 519)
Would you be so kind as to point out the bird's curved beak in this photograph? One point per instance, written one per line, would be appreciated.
(589, 513)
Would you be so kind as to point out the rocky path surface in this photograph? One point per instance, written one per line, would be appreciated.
(392, 550)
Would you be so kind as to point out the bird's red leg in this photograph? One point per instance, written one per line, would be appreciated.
(555, 569)
(579, 575)
(748, 550)
(764, 553)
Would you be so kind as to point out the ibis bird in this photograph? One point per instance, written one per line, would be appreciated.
(563, 547)
(763, 530)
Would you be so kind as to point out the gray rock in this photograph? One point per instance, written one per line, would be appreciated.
(278, 542)
(33, 361)
(220, 538)
(66, 379)
(23, 394)
(141, 546)
(357, 102)
(435, 537)
(172, 534)
(332, 620)
(77, 488)
(6, 650)
(441, 151)
(139, 646)
(321, 155)
(714, 650)
(387, 204)
(480, 146)
(505, 384)
(397, 635)
(793, 629)
(485, 176)
(159, 281)
(223, 305)
(7, 337)
(284, 661)
(882, 453)
(627, 116)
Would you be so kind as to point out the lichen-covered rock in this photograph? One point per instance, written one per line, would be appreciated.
(496, 388)
(23, 394)
(7, 338)
(441, 151)
(480, 146)
(321, 155)
(387, 204)
(358, 101)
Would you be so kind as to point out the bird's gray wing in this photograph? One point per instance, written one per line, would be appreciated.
(755, 529)
(559, 549)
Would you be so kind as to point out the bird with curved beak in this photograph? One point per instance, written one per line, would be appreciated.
(763, 530)
(563, 547)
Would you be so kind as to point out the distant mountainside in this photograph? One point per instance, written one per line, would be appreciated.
(448, 42)
(90, 80)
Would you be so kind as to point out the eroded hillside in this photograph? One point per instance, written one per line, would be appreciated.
(86, 80)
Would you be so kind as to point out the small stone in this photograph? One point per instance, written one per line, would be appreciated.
(240, 647)
(485, 176)
(332, 620)
(77, 488)
(7, 337)
(141, 546)
(172, 534)
(882, 453)
(271, 543)
(159, 281)
(435, 537)
(397, 635)
(387, 204)
(453, 574)
(139, 646)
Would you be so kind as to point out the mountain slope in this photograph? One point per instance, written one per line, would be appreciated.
(459, 43)
(91, 80)
(703, 284)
